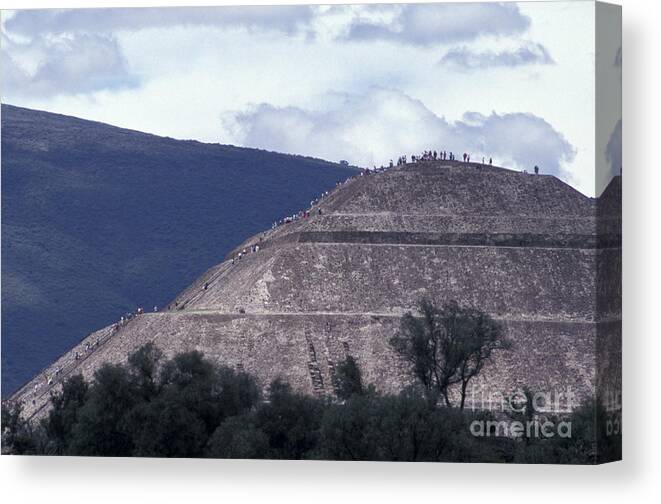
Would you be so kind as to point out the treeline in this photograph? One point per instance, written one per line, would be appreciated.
(189, 406)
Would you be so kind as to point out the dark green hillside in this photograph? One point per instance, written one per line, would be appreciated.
(97, 220)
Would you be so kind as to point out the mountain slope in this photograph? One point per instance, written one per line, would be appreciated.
(97, 220)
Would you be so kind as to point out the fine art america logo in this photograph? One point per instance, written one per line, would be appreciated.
(524, 414)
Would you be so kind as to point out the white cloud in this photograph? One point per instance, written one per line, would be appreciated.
(529, 53)
(419, 24)
(286, 18)
(372, 128)
(425, 24)
(76, 50)
(70, 64)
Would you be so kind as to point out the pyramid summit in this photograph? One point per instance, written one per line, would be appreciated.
(294, 301)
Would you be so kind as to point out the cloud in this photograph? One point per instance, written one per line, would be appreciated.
(76, 50)
(71, 64)
(13, 76)
(426, 24)
(528, 54)
(422, 24)
(288, 19)
(614, 150)
(381, 124)
(51, 52)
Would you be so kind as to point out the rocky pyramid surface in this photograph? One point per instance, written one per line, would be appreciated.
(295, 300)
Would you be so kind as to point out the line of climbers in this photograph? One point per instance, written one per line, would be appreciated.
(426, 156)
(304, 214)
(301, 215)
(124, 319)
(50, 378)
(242, 253)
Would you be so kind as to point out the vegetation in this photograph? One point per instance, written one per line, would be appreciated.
(348, 379)
(190, 407)
(447, 346)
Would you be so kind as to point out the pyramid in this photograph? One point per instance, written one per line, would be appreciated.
(524, 248)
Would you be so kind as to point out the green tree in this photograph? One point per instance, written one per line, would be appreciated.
(348, 379)
(17, 435)
(447, 346)
(194, 396)
(404, 427)
(238, 392)
(165, 427)
(291, 422)
(238, 437)
(348, 430)
(101, 428)
(193, 381)
(144, 365)
(64, 413)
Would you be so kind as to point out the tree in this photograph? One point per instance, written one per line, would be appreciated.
(192, 381)
(291, 421)
(164, 427)
(64, 413)
(17, 435)
(193, 396)
(211, 392)
(347, 429)
(100, 428)
(144, 366)
(238, 438)
(447, 346)
(348, 379)
(403, 427)
(238, 392)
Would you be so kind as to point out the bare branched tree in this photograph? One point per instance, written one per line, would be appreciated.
(447, 346)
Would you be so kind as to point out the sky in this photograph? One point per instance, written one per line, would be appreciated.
(365, 83)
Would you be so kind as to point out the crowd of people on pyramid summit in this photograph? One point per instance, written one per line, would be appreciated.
(433, 155)
(426, 156)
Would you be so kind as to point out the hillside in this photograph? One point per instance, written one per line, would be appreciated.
(97, 220)
(524, 248)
